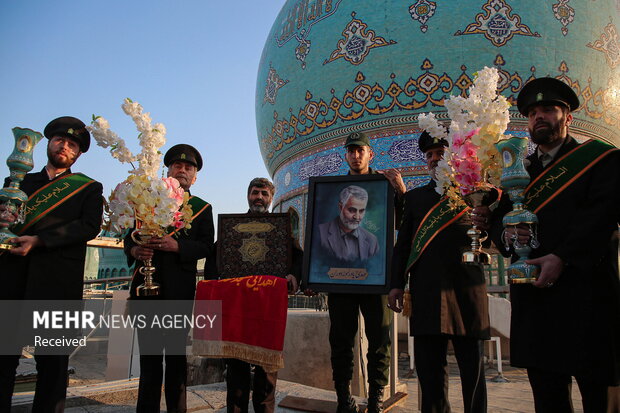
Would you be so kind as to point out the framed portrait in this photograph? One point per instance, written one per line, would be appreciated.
(254, 244)
(349, 234)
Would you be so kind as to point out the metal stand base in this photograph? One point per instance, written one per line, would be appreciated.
(476, 257)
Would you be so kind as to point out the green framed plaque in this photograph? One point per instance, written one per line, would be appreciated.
(254, 244)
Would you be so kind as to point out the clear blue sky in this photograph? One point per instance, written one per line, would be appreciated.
(191, 63)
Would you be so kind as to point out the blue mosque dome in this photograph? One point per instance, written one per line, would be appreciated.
(331, 67)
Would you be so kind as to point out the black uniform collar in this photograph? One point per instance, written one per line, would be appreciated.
(43, 176)
(568, 144)
(370, 171)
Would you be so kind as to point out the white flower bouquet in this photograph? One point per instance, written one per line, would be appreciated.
(142, 200)
(472, 162)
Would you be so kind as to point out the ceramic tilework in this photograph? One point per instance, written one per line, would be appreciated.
(389, 86)
(305, 106)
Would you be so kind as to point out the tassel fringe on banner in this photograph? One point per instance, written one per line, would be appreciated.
(407, 304)
(270, 360)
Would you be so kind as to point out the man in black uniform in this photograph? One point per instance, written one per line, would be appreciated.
(566, 323)
(175, 257)
(344, 308)
(448, 298)
(48, 260)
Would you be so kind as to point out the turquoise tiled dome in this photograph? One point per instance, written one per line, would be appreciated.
(330, 67)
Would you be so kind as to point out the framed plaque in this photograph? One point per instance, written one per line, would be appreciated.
(254, 244)
(349, 234)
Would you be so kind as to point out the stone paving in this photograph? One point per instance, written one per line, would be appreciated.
(511, 396)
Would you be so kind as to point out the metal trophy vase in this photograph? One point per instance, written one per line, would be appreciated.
(12, 198)
(514, 180)
(476, 199)
(149, 288)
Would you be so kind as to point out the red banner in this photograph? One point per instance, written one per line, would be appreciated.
(253, 320)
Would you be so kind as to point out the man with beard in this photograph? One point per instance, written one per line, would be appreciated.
(448, 297)
(567, 323)
(343, 240)
(175, 257)
(260, 195)
(47, 263)
(239, 379)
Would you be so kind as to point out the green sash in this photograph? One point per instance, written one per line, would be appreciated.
(51, 196)
(198, 206)
(439, 217)
(564, 172)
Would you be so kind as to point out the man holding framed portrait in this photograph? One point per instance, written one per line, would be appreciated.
(347, 254)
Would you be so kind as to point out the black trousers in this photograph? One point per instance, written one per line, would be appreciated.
(51, 388)
(238, 378)
(343, 313)
(152, 371)
(552, 392)
(432, 368)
